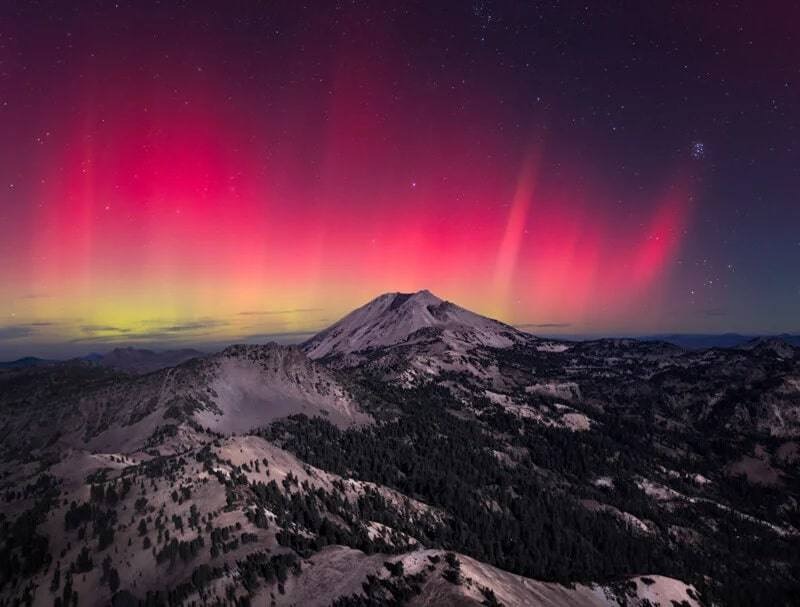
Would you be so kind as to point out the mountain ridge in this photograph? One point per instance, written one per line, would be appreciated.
(142, 360)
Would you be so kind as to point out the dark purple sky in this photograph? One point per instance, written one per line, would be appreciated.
(201, 171)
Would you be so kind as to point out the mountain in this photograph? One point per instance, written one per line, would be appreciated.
(399, 318)
(416, 339)
(139, 360)
(27, 361)
(781, 346)
(128, 359)
(414, 453)
(409, 338)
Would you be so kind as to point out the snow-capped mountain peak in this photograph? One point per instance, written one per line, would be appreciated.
(394, 318)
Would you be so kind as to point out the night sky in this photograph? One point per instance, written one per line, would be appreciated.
(229, 171)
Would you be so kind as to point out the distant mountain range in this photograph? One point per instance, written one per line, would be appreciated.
(723, 340)
(129, 359)
(141, 360)
(413, 453)
(138, 360)
(27, 361)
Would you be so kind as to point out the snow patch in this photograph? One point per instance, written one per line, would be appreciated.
(564, 390)
(550, 346)
(577, 422)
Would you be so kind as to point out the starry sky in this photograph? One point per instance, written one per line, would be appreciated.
(209, 172)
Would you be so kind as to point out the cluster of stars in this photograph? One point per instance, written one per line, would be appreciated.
(698, 151)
